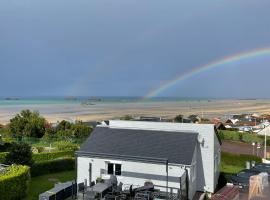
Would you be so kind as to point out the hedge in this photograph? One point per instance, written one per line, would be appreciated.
(14, 183)
(53, 166)
(40, 157)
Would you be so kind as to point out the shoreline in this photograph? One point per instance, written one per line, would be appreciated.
(112, 110)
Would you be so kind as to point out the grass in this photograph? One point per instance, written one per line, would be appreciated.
(242, 137)
(230, 169)
(233, 163)
(41, 184)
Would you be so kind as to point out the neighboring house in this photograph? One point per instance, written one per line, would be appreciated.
(150, 119)
(231, 121)
(216, 121)
(173, 156)
(266, 131)
(194, 118)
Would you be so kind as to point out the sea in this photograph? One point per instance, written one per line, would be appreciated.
(70, 107)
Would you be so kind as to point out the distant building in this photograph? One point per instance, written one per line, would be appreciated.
(177, 157)
(150, 119)
(194, 118)
(264, 131)
(232, 121)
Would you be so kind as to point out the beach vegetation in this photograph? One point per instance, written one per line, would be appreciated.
(19, 153)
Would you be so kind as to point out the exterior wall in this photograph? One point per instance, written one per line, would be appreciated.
(206, 176)
(266, 131)
(217, 160)
(133, 173)
(193, 175)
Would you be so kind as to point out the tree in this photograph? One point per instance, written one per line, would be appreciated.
(63, 125)
(178, 118)
(20, 153)
(28, 123)
(81, 130)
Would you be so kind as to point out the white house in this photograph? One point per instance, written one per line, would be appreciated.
(265, 131)
(175, 157)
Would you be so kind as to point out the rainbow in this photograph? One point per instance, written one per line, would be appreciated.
(215, 64)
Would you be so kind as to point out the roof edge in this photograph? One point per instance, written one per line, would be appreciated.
(125, 157)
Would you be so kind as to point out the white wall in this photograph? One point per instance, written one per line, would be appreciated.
(206, 176)
(130, 166)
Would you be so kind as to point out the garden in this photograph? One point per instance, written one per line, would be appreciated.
(32, 150)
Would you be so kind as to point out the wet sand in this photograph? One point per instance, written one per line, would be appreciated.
(113, 110)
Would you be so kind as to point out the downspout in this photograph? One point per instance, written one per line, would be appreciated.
(187, 182)
(76, 170)
(167, 178)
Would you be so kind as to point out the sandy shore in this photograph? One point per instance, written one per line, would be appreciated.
(113, 110)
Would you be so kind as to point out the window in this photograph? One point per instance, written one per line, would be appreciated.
(110, 168)
(114, 169)
(118, 169)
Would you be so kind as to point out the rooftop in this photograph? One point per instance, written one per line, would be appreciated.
(148, 145)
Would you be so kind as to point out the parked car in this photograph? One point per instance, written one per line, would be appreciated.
(242, 178)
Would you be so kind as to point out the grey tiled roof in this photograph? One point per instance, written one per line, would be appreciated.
(176, 147)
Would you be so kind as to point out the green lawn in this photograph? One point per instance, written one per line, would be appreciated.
(243, 137)
(41, 184)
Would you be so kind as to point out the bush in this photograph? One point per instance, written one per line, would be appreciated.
(66, 146)
(3, 156)
(20, 153)
(14, 182)
(40, 157)
(53, 166)
(5, 147)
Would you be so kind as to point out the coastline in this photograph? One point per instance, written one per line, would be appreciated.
(99, 111)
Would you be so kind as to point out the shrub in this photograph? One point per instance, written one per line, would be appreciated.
(20, 153)
(40, 157)
(5, 147)
(66, 145)
(53, 166)
(14, 182)
(3, 156)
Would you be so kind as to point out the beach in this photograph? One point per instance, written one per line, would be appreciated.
(55, 111)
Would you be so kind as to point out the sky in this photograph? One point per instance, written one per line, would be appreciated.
(131, 47)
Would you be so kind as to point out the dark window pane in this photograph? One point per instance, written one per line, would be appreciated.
(110, 168)
(117, 169)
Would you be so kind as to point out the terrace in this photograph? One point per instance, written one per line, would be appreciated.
(110, 190)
